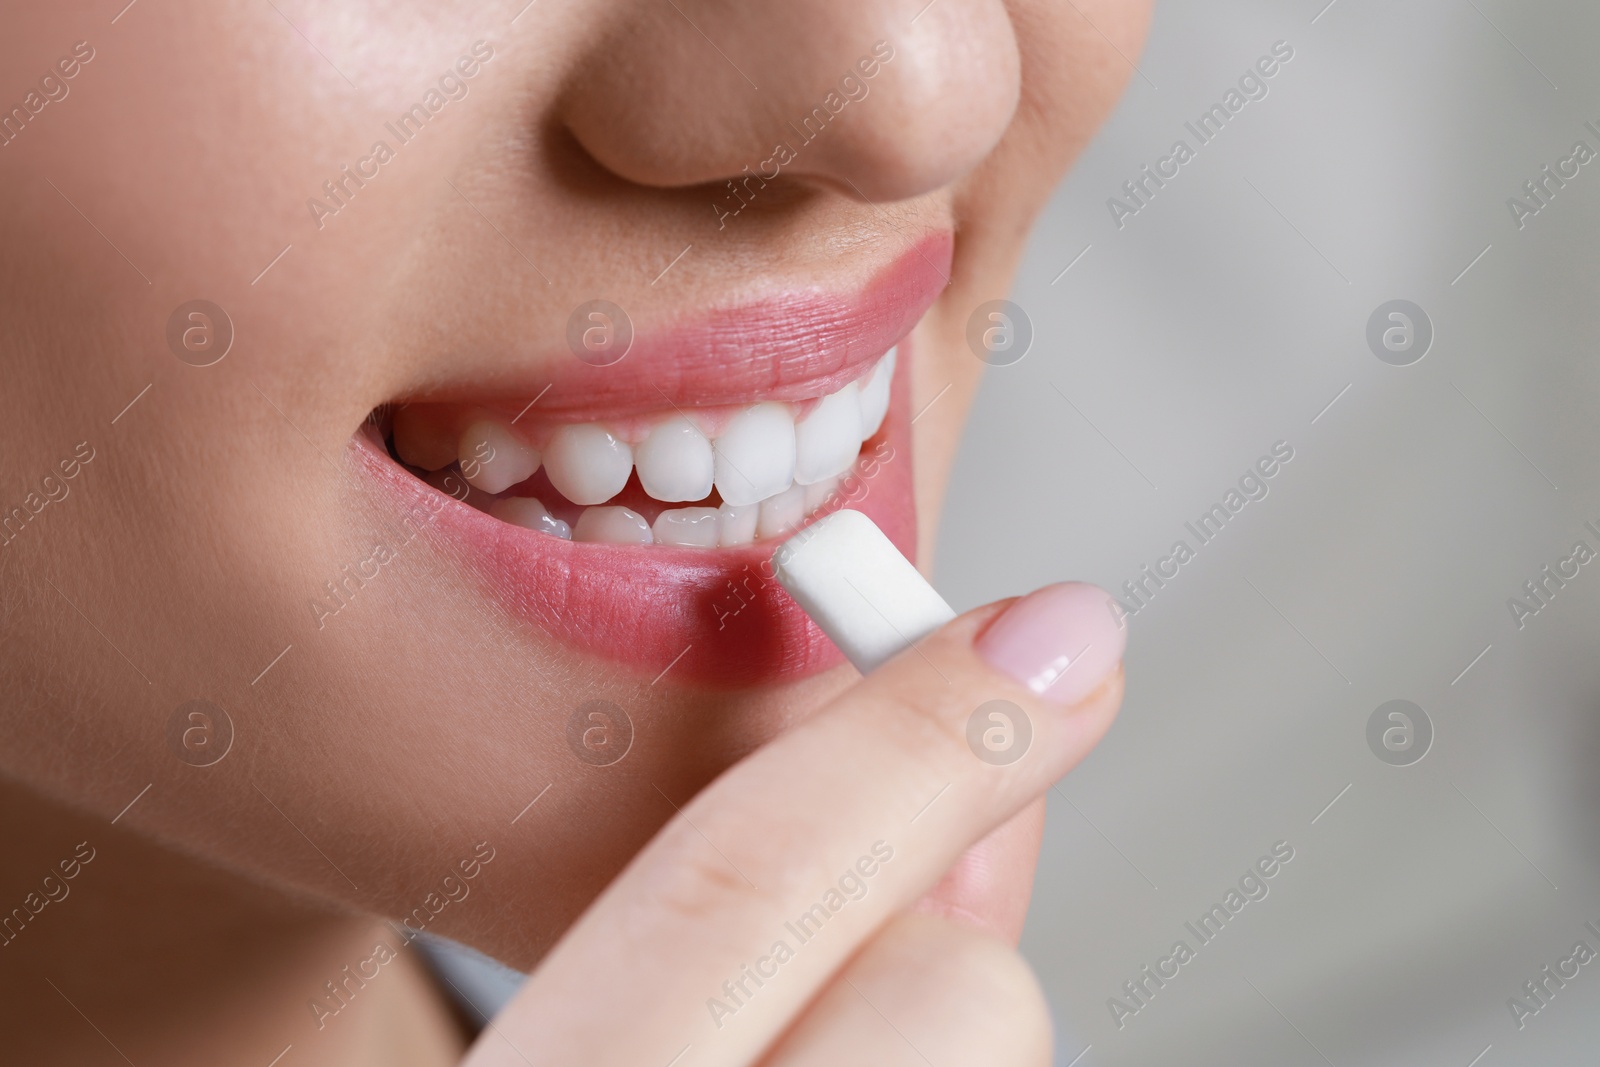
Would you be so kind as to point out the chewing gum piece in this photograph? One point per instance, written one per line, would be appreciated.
(857, 587)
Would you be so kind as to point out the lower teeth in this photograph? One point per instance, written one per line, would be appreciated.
(688, 527)
(530, 514)
(612, 525)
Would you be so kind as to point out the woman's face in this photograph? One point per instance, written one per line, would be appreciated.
(437, 243)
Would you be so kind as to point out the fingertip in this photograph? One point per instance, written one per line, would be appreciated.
(1063, 641)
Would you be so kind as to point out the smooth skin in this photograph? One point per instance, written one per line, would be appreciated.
(371, 758)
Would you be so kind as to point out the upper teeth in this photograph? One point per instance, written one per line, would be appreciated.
(675, 461)
(587, 463)
(760, 453)
(755, 454)
(875, 396)
(827, 440)
(494, 459)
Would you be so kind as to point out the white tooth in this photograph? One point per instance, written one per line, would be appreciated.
(736, 525)
(424, 439)
(675, 461)
(694, 527)
(530, 514)
(612, 525)
(817, 493)
(875, 395)
(755, 454)
(828, 440)
(782, 512)
(587, 463)
(493, 458)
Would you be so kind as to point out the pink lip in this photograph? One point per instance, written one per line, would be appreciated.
(789, 347)
(716, 616)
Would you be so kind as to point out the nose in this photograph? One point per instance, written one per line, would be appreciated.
(879, 99)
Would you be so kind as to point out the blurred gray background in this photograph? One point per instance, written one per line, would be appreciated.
(1230, 313)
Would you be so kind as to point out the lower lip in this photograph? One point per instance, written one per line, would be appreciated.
(715, 617)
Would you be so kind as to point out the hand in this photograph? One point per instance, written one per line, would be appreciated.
(769, 921)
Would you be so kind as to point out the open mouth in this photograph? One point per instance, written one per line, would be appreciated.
(639, 528)
(703, 478)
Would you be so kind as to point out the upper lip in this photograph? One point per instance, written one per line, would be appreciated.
(793, 346)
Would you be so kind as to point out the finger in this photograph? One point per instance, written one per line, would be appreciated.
(924, 990)
(990, 885)
(737, 913)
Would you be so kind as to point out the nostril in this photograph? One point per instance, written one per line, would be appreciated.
(869, 97)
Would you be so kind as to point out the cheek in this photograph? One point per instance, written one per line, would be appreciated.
(942, 359)
(1069, 89)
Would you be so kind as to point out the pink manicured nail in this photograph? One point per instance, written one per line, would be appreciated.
(1061, 641)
